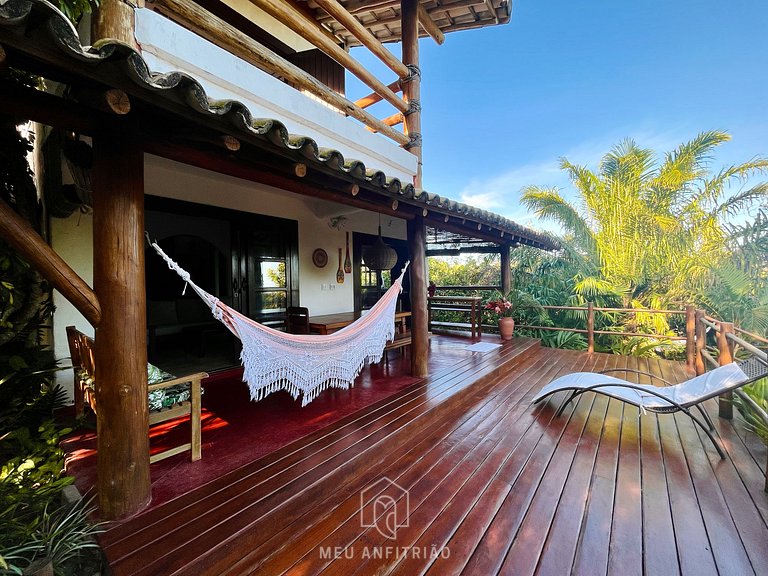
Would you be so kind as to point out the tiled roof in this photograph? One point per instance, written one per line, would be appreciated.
(37, 30)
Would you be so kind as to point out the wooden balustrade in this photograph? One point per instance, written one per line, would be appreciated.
(727, 337)
(209, 26)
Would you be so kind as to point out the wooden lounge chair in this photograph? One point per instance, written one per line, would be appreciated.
(168, 397)
(662, 400)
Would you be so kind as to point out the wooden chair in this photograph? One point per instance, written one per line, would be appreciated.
(168, 399)
(403, 337)
(297, 320)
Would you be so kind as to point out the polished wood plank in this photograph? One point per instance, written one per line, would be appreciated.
(594, 538)
(559, 547)
(660, 557)
(626, 549)
(691, 538)
(230, 515)
(506, 487)
(457, 444)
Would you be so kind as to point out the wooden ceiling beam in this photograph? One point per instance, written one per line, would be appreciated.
(429, 25)
(245, 168)
(357, 6)
(51, 110)
(492, 10)
(364, 36)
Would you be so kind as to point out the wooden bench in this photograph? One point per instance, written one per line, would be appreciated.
(171, 397)
(464, 304)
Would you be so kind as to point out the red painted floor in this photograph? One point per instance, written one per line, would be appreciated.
(237, 431)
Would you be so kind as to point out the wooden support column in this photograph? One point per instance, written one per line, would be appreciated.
(114, 19)
(701, 342)
(590, 327)
(725, 356)
(417, 247)
(690, 338)
(506, 272)
(409, 14)
(122, 421)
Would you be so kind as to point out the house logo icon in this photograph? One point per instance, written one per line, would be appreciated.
(384, 505)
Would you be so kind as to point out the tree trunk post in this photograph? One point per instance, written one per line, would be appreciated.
(506, 272)
(114, 19)
(590, 328)
(409, 16)
(690, 338)
(701, 342)
(417, 242)
(122, 420)
(725, 356)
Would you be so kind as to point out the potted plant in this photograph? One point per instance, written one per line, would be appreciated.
(502, 307)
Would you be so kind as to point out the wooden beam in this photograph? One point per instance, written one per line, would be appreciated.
(304, 9)
(112, 101)
(506, 272)
(122, 420)
(249, 170)
(373, 98)
(28, 243)
(412, 88)
(360, 32)
(492, 10)
(114, 19)
(357, 6)
(429, 25)
(51, 110)
(230, 38)
(417, 245)
(393, 120)
(303, 26)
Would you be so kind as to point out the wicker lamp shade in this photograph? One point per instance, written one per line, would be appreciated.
(379, 256)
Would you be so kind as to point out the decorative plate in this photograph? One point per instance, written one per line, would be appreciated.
(320, 258)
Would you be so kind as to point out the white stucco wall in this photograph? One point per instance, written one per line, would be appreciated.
(168, 47)
(72, 238)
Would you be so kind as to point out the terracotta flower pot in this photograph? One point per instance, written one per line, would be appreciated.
(506, 328)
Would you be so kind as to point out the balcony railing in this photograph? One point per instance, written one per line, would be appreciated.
(729, 340)
(407, 108)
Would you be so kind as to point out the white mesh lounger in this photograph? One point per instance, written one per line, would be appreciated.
(671, 398)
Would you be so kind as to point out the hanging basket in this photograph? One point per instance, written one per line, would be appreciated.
(379, 256)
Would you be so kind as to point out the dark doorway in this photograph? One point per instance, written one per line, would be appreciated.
(370, 285)
(247, 261)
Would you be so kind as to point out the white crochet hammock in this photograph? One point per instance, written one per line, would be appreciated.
(303, 364)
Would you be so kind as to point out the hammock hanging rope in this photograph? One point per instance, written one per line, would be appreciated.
(303, 364)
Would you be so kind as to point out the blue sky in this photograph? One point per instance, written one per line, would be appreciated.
(564, 78)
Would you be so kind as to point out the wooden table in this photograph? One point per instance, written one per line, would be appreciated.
(330, 323)
(471, 304)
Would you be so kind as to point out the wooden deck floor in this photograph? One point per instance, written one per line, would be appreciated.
(495, 486)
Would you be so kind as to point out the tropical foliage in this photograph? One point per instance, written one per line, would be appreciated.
(35, 527)
(648, 232)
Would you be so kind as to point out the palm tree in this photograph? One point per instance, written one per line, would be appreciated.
(647, 230)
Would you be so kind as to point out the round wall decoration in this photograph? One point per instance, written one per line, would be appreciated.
(320, 258)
